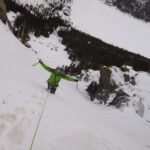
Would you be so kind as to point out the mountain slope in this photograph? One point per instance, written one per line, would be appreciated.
(69, 120)
(137, 8)
(112, 26)
(19, 89)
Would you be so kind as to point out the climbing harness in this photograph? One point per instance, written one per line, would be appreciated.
(39, 122)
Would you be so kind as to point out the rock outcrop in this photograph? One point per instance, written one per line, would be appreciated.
(105, 81)
(137, 8)
(3, 11)
(120, 99)
(3, 14)
(107, 85)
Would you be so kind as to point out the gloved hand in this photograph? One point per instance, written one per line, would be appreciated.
(76, 80)
(40, 61)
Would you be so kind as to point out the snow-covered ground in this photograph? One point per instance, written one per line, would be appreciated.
(47, 8)
(111, 25)
(34, 3)
(70, 120)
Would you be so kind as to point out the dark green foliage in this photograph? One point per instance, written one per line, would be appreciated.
(92, 53)
(139, 9)
(105, 81)
(51, 9)
(38, 24)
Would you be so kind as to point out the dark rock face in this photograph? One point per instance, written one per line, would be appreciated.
(138, 8)
(91, 53)
(126, 78)
(129, 79)
(3, 15)
(105, 82)
(43, 23)
(44, 11)
(105, 87)
(92, 90)
(120, 99)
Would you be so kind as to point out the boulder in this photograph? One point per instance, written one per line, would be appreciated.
(130, 79)
(126, 78)
(120, 99)
(107, 85)
(105, 81)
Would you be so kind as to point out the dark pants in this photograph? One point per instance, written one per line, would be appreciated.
(52, 88)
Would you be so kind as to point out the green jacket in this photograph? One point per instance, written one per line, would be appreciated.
(55, 77)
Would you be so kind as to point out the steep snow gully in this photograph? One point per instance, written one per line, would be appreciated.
(70, 120)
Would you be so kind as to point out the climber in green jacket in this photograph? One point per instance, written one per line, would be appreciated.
(56, 76)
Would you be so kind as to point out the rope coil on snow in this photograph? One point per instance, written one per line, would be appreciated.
(39, 122)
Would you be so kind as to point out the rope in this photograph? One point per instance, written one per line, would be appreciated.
(77, 86)
(38, 122)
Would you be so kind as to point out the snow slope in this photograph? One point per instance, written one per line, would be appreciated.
(20, 97)
(46, 8)
(111, 25)
(69, 121)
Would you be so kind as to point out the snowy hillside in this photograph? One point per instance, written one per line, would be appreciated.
(20, 97)
(111, 25)
(69, 121)
(45, 8)
(137, 8)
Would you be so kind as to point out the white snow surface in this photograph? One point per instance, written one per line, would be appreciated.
(34, 3)
(70, 120)
(111, 25)
(41, 5)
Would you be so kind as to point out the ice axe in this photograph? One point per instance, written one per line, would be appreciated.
(37, 62)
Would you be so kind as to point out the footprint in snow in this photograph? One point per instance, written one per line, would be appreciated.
(16, 135)
(11, 118)
(20, 111)
(2, 147)
(2, 128)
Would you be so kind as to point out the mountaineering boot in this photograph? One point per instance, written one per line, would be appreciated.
(53, 88)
